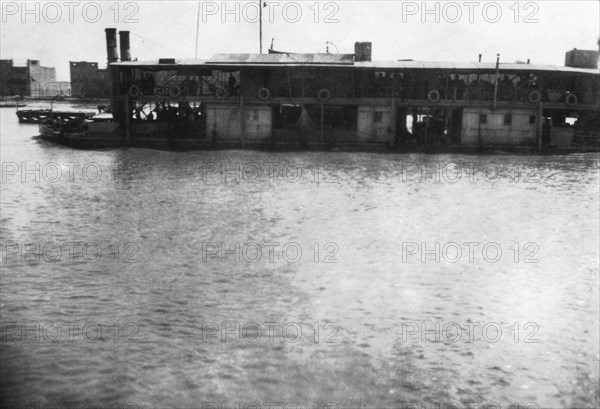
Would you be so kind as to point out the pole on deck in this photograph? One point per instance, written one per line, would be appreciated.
(322, 120)
(127, 121)
(242, 120)
(394, 121)
(197, 30)
(479, 136)
(540, 124)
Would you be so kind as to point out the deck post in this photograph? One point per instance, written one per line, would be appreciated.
(479, 136)
(394, 121)
(322, 120)
(415, 117)
(127, 121)
(242, 120)
(540, 124)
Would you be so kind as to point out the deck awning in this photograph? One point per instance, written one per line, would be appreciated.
(345, 60)
(282, 59)
(470, 66)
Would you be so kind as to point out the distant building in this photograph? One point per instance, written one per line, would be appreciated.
(32, 80)
(42, 80)
(87, 80)
(13, 80)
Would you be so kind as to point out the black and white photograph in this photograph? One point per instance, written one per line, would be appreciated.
(311, 204)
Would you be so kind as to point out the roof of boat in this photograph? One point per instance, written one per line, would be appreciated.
(345, 60)
(282, 58)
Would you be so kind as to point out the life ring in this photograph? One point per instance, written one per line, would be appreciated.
(324, 95)
(433, 96)
(221, 93)
(264, 94)
(134, 91)
(57, 126)
(571, 100)
(535, 97)
(174, 91)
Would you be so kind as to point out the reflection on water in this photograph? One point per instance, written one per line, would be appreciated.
(325, 299)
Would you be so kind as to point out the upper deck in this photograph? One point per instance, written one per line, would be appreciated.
(342, 60)
(299, 78)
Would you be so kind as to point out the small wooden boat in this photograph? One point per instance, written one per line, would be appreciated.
(99, 132)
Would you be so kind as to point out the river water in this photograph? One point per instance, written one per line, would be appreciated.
(137, 278)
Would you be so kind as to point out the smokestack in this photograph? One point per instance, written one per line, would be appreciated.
(124, 41)
(479, 57)
(111, 45)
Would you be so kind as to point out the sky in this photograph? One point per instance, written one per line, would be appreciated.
(57, 32)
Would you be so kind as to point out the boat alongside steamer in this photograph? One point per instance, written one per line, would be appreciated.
(98, 132)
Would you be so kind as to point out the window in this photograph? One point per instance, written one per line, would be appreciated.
(482, 118)
(378, 117)
(532, 119)
(508, 119)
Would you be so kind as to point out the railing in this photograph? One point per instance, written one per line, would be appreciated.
(402, 91)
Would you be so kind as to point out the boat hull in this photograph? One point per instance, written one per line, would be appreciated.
(96, 136)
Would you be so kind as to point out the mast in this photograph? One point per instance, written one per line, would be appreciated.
(197, 29)
(261, 25)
